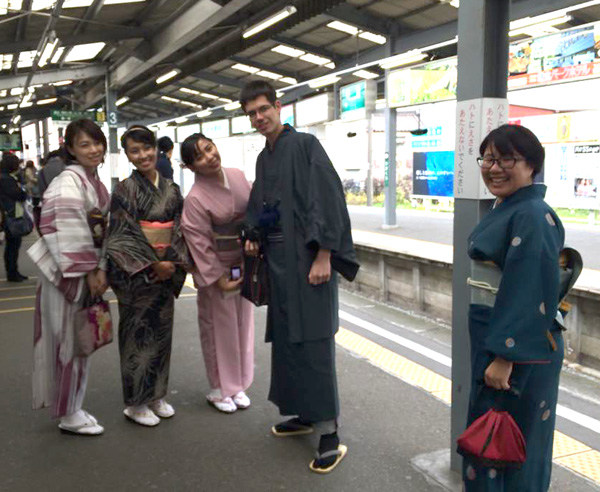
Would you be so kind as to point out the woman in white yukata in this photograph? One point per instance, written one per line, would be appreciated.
(213, 213)
(69, 256)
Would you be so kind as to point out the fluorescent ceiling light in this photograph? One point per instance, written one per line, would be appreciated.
(269, 75)
(204, 114)
(16, 119)
(72, 4)
(167, 76)
(6, 5)
(12, 106)
(374, 38)
(57, 56)
(537, 25)
(170, 99)
(1, 108)
(121, 101)
(452, 3)
(3, 93)
(323, 81)
(83, 52)
(26, 104)
(183, 119)
(62, 82)
(365, 74)
(6, 62)
(289, 80)
(330, 65)
(269, 21)
(192, 104)
(315, 59)
(41, 102)
(232, 106)
(288, 51)
(189, 91)
(16, 91)
(403, 59)
(245, 68)
(211, 96)
(225, 99)
(26, 59)
(341, 26)
(48, 50)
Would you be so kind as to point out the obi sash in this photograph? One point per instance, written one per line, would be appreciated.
(227, 236)
(158, 234)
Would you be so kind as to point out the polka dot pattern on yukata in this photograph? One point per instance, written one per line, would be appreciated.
(543, 308)
(471, 474)
(516, 241)
(546, 415)
(550, 219)
(543, 404)
(510, 342)
(493, 473)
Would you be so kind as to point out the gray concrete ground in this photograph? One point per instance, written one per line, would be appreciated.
(385, 423)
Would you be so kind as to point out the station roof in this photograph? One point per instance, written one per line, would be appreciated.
(63, 49)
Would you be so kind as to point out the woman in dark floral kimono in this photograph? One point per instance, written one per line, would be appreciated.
(516, 339)
(147, 255)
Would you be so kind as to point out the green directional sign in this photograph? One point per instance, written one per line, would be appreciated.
(97, 116)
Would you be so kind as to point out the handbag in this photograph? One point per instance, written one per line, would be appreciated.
(255, 286)
(93, 326)
(494, 439)
(18, 226)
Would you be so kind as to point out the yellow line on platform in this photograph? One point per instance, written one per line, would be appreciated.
(567, 452)
(6, 299)
(26, 287)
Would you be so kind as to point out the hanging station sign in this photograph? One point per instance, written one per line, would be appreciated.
(97, 116)
(314, 110)
(357, 99)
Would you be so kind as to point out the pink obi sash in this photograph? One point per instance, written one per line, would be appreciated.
(158, 234)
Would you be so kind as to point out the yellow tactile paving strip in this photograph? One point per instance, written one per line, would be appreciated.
(567, 451)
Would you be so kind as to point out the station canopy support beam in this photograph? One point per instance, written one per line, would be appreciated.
(51, 76)
(481, 106)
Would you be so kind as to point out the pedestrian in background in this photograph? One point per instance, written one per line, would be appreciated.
(147, 256)
(298, 203)
(165, 152)
(70, 258)
(213, 214)
(516, 343)
(52, 166)
(12, 206)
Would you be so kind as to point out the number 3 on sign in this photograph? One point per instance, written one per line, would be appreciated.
(112, 118)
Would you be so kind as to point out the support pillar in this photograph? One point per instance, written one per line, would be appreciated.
(369, 181)
(481, 107)
(38, 145)
(389, 221)
(113, 144)
(45, 136)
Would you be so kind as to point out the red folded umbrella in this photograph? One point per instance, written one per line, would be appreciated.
(494, 439)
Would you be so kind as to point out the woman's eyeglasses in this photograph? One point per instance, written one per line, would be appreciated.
(504, 162)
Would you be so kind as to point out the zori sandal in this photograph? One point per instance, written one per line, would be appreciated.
(339, 454)
(292, 427)
(142, 415)
(86, 426)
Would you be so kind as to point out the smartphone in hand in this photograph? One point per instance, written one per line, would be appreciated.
(235, 273)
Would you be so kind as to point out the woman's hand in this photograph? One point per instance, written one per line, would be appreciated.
(320, 271)
(228, 285)
(96, 281)
(498, 373)
(164, 270)
(251, 248)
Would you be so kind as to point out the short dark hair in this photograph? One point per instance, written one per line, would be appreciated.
(165, 144)
(188, 151)
(255, 89)
(510, 138)
(9, 162)
(83, 125)
(138, 134)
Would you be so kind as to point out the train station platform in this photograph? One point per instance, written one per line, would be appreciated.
(393, 371)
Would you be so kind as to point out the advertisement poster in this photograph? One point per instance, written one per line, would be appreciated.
(433, 174)
(287, 115)
(427, 83)
(564, 56)
(11, 141)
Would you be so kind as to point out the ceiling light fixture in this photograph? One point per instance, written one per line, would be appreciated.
(323, 81)
(42, 102)
(167, 76)
(403, 59)
(374, 38)
(232, 106)
(210, 96)
(189, 91)
(536, 25)
(365, 74)
(288, 80)
(288, 51)
(269, 21)
(204, 114)
(62, 82)
(245, 68)
(121, 101)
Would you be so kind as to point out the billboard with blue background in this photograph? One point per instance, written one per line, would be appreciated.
(433, 174)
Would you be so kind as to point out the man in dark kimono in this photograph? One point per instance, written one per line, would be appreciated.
(297, 203)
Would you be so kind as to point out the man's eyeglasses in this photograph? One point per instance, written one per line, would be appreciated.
(504, 162)
(262, 110)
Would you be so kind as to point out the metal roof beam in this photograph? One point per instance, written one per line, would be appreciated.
(106, 35)
(50, 76)
(22, 22)
(219, 79)
(202, 16)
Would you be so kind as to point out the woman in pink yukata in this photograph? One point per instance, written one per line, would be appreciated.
(213, 213)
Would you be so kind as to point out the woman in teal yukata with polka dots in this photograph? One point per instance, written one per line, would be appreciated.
(516, 344)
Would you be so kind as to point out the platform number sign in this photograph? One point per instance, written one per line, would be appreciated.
(112, 119)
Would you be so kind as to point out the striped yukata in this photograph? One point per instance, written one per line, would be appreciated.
(72, 224)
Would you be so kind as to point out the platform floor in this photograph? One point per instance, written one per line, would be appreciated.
(386, 422)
